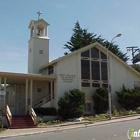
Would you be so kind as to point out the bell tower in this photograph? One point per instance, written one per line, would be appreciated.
(38, 44)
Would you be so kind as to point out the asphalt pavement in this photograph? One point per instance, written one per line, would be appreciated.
(61, 127)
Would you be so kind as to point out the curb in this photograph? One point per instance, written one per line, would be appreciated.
(87, 122)
(79, 125)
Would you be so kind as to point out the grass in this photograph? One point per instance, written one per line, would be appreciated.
(115, 113)
(2, 129)
(96, 117)
(52, 122)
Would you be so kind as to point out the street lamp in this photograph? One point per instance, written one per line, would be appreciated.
(108, 74)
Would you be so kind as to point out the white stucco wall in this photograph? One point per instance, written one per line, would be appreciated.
(42, 94)
(67, 72)
(35, 59)
(121, 74)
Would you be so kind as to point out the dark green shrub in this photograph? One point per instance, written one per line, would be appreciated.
(100, 99)
(115, 112)
(1, 125)
(53, 122)
(129, 98)
(39, 120)
(72, 105)
(46, 111)
(138, 110)
(123, 112)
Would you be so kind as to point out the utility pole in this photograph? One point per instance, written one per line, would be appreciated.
(133, 49)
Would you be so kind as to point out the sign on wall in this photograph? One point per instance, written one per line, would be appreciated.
(67, 78)
(2, 92)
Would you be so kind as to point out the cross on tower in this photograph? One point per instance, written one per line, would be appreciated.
(39, 13)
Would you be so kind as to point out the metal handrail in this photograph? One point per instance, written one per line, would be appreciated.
(8, 114)
(33, 115)
(42, 101)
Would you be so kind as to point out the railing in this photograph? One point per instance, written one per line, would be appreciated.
(33, 115)
(42, 101)
(8, 114)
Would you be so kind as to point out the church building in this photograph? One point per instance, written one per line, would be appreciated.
(46, 82)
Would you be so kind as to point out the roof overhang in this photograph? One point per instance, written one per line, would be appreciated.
(32, 22)
(15, 78)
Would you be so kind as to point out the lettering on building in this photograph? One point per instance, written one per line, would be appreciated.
(67, 78)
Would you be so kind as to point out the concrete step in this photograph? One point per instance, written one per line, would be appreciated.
(22, 122)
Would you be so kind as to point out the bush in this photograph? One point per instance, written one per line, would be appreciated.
(129, 98)
(115, 112)
(123, 112)
(72, 105)
(100, 99)
(39, 120)
(53, 122)
(1, 125)
(46, 111)
(138, 110)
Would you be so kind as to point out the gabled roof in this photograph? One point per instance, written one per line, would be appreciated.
(32, 22)
(97, 45)
(70, 54)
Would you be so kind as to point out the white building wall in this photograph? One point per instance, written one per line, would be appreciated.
(121, 74)
(35, 59)
(67, 76)
(10, 98)
(38, 95)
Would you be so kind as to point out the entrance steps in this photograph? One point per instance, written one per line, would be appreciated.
(22, 122)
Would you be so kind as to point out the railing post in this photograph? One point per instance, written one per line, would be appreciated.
(33, 115)
(8, 114)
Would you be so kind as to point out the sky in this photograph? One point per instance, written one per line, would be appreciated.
(102, 17)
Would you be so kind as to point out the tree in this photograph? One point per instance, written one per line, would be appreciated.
(136, 67)
(100, 99)
(81, 38)
(72, 105)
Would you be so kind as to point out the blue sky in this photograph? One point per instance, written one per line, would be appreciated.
(103, 17)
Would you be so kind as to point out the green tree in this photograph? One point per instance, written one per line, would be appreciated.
(72, 105)
(136, 67)
(81, 38)
(100, 99)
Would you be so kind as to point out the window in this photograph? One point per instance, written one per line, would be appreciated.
(96, 85)
(85, 84)
(40, 71)
(53, 92)
(39, 90)
(95, 53)
(95, 70)
(85, 69)
(40, 51)
(103, 56)
(105, 85)
(88, 107)
(104, 70)
(136, 84)
(50, 70)
(85, 54)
